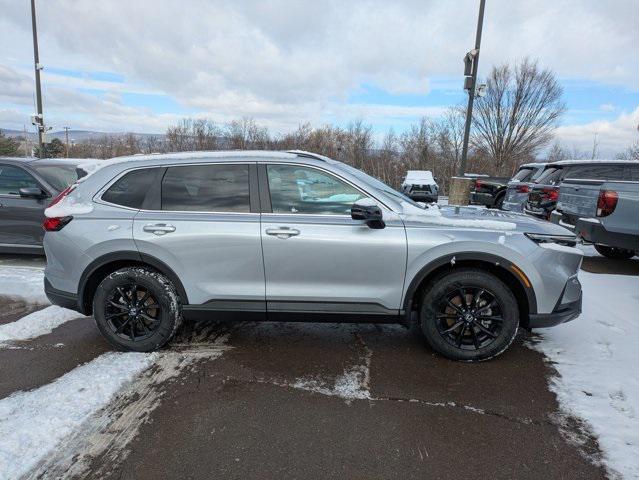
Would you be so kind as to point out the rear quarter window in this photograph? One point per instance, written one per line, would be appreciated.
(131, 189)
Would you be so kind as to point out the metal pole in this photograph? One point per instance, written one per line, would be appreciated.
(66, 133)
(36, 60)
(471, 91)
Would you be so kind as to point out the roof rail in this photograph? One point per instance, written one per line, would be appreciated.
(302, 153)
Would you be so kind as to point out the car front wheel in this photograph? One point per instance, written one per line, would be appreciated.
(137, 309)
(615, 253)
(469, 315)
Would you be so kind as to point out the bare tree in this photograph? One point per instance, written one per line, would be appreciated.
(518, 115)
(631, 153)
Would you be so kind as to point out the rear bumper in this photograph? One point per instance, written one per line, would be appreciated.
(62, 299)
(564, 314)
(482, 199)
(594, 232)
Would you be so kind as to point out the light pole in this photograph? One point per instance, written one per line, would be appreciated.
(472, 65)
(66, 134)
(38, 119)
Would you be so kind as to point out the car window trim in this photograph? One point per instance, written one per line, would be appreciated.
(264, 187)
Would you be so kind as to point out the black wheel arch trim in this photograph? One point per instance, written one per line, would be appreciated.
(133, 256)
(451, 259)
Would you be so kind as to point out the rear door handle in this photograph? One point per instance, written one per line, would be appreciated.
(159, 228)
(282, 232)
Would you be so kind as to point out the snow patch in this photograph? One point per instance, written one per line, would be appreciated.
(33, 423)
(596, 357)
(70, 205)
(35, 324)
(561, 248)
(25, 283)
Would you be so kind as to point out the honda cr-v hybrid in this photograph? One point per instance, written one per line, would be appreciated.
(144, 242)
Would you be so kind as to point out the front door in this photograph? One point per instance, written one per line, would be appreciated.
(317, 258)
(20, 217)
(207, 230)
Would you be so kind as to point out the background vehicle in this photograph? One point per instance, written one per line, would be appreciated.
(519, 186)
(26, 187)
(489, 191)
(146, 241)
(603, 212)
(544, 194)
(420, 186)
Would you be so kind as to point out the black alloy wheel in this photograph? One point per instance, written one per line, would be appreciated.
(132, 312)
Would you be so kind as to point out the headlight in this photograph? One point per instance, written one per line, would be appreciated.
(567, 240)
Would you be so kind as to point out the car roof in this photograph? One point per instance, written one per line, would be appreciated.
(594, 162)
(533, 164)
(42, 161)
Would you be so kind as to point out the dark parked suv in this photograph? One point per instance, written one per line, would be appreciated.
(26, 188)
(543, 196)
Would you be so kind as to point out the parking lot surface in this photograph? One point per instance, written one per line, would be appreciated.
(272, 400)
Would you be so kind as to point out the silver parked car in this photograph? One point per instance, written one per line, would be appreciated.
(144, 242)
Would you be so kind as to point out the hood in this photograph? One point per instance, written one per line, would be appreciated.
(479, 217)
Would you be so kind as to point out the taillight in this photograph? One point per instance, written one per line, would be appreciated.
(550, 194)
(478, 184)
(55, 224)
(607, 202)
(523, 189)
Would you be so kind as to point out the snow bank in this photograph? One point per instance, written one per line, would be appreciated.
(596, 358)
(36, 324)
(33, 423)
(25, 283)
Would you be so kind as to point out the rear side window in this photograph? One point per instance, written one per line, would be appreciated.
(130, 190)
(207, 188)
(12, 179)
(599, 171)
(633, 170)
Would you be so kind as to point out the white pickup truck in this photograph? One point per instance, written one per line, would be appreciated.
(603, 212)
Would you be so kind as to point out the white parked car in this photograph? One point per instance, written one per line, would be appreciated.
(420, 186)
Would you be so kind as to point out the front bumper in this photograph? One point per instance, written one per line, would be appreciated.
(424, 197)
(568, 307)
(62, 299)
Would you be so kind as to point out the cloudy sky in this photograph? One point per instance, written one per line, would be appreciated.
(139, 65)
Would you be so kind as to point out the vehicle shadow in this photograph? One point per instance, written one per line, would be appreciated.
(599, 264)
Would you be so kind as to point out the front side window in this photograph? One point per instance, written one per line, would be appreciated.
(58, 176)
(130, 189)
(303, 190)
(12, 179)
(207, 188)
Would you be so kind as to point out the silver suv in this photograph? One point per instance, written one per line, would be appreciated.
(144, 242)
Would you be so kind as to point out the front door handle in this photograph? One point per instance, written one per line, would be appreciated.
(159, 228)
(282, 232)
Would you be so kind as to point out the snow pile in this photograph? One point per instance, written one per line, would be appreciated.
(36, 324)
(351, 385)
(25, 283)
(433, 215)
(596, 358)
(71, 204)
(33, 423)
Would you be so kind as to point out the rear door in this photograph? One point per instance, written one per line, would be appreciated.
(20, 218)
(205, 225)
(316, 257)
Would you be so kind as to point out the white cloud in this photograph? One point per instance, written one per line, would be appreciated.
(612, 136)
(288, 61)
(607, 107)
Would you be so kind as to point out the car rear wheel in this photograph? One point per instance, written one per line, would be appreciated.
(499, 203)
(469, 315)
(613, 252)
(137, 309)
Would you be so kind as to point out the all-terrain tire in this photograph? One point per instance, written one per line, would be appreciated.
(614, 253)
(437, 315)
(124, 316)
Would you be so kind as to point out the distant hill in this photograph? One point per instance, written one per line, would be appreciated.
(77, 136)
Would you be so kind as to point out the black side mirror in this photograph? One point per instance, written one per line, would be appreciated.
(31, 192)
(370, 213)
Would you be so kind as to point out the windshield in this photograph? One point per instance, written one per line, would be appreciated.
(58, 176)
(377, 184)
